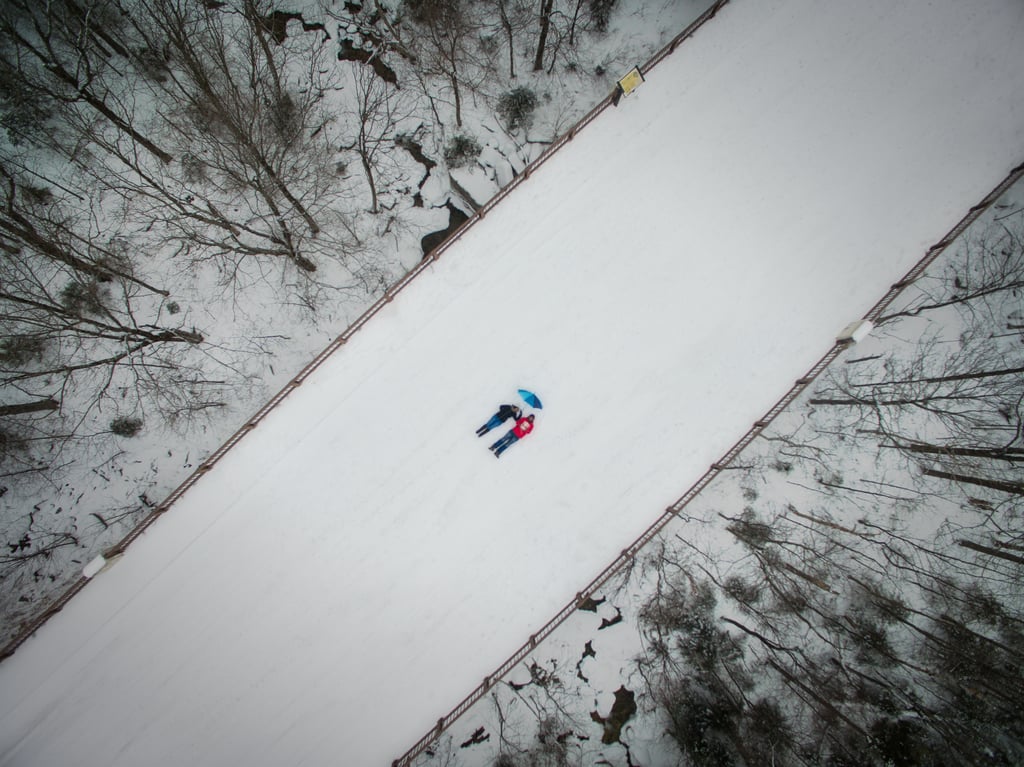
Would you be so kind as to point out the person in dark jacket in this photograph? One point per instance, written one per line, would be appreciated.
(504, 413)
(523, 427)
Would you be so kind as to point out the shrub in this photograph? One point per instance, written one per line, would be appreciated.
(767, 731)
(116, 259)
(869, 638)
(11, 443)
(701, 720)
(752, 531)
(82, 297)
(37, 195)
(285, 117)
(432, 12)
(193, 169)
(124, 426)
(516, 108)
(902, 743)
(735, 587)
(18, 350)
(600, 13)
(23, 110)
(461, 151)
(152, 64)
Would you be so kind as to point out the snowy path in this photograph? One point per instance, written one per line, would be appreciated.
(354, 567)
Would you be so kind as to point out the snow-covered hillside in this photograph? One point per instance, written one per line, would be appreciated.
(351, 569)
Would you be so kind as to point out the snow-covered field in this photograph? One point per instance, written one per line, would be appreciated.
(355, 566)
(814, 469)
(262, 318)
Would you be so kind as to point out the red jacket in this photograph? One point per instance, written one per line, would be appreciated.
(523, 427)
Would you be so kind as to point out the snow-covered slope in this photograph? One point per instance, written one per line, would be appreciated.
(356, 565)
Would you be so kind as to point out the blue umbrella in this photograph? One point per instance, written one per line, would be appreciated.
(530, 399)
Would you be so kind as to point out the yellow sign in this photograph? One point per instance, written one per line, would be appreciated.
(629, 83)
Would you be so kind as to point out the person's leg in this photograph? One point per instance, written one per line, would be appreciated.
(492, 424)
(501, 443)
(509, 440)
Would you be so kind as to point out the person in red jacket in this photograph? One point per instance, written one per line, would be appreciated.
(523, 427)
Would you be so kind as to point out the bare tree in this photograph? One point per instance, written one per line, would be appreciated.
(61, 51)
(887, 619)
(251, 131)
(81, 328)
(970, 390)
(380, 109)
(556, 28)
(546, 8)
(444, 43)
(987, 272)
(884, 633)
(515, 18)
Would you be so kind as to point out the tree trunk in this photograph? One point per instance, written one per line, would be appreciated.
(38, 406)
(1013, 285)
(1013, 455)
(1015, 488)
(572, 26)
(97, 103)
(507, 24)
(458, 100)
(21, 230)
(992, 552)
(825, 704)
(368, 169)
(545, 23)
(82, 14)
(878, 402)
(256, 22)
(943, 379)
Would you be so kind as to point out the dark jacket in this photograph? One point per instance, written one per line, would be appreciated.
(508, 411)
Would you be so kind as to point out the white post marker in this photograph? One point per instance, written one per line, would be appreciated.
(855, 332)
(98, 565)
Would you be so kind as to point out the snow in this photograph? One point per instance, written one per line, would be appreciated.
(357, 565)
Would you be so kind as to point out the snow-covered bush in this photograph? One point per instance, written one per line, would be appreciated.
(125, 426)
(516, 108)
(600, 13)
(461, 151)
(82, 297)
